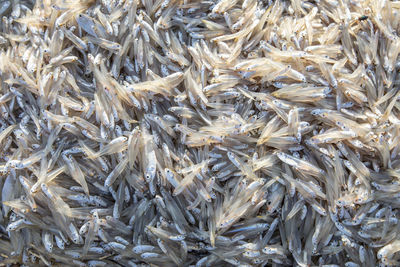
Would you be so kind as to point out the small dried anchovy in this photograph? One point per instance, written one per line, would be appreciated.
(199, 133)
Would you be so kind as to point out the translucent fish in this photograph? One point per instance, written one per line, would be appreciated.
(300, 164)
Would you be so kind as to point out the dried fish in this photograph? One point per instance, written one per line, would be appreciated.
(207, 133)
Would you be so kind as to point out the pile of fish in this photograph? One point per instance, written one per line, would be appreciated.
(200, 133)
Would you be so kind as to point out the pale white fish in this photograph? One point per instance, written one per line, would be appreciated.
(300, 164)
(76, 172)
